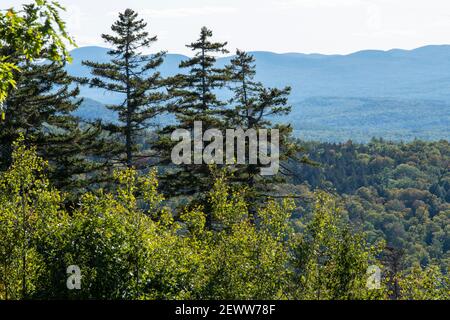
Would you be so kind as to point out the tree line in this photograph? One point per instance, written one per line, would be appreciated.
(128, 245)
(81, 154)
(87, 193)
(399, 192)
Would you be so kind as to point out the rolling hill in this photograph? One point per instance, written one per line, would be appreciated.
(396, 94)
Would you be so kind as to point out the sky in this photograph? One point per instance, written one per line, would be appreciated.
(306, 26)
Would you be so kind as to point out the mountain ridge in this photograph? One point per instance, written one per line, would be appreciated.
(407, 81)
(393, 50)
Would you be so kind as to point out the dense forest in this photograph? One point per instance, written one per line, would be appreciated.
(104, 199)
(398, 192)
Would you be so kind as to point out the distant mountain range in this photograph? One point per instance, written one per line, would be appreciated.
(396, 94)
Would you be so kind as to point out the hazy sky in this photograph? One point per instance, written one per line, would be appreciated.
(323, 26)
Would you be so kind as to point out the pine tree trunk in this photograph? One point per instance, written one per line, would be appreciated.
(203, 81)
(252, 211)
(128, 128)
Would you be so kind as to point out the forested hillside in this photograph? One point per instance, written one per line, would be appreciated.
(399, 192)
(399, 95)
(131, 246)
(119, 205)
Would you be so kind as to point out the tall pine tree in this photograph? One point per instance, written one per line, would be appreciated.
(40, 98)
(193, 98)
(40, 107)
(255, 106)
(132, 77)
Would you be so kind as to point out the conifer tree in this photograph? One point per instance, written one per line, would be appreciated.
(253, 103)
(254, 106)
(129, 74)
(193, 98)
(133, 77)
(40, 107)
(37, 98)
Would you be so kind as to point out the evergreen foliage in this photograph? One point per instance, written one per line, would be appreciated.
(193, 98)
(85, 194)
(40, 107)
(134, 77)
